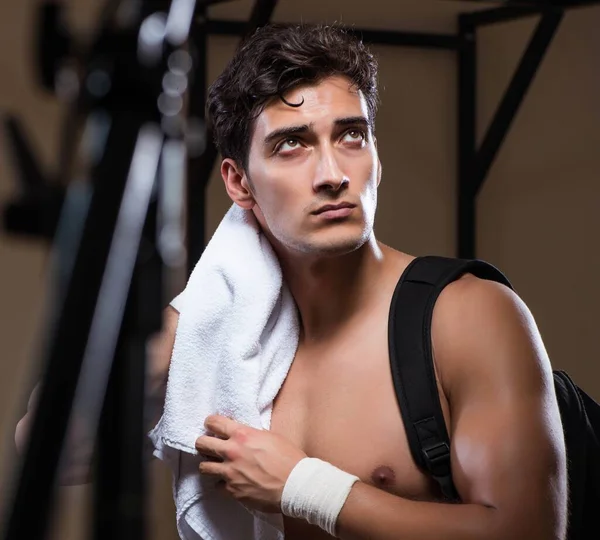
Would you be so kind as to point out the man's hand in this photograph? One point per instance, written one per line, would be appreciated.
(256, 463)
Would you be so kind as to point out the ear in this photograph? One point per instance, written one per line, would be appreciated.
(237, 184)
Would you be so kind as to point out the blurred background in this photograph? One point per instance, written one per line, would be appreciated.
(538, 213)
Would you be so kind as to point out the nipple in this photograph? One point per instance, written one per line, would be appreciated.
(383, 476)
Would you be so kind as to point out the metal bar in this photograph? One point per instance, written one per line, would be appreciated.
(500, 14)
(79, 340)
(408, 39)
(219, 27)
(513, 98)
(560, 4)
(120, 479)
(567, 4)
(467, 124)
(261, 14)
(119, 501)
(26, 164)
(122, 515)
(200, 169)
(375, 37)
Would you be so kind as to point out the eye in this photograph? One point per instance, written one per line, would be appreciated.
(355, 135)
(291, 145)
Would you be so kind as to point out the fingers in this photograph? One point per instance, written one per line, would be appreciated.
(212, 458)
(221, 425)
(217, 471)
(212, 447)
(209, 468)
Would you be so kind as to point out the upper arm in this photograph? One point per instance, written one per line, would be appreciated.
(76, 469)
(160, 349)
(507, 441)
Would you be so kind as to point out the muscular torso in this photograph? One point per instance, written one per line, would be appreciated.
(338, 404)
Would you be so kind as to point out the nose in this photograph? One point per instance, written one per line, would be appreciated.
(329, 175)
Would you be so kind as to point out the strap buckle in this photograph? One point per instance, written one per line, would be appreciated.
(437, 458)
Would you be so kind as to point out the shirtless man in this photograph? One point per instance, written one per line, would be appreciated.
(294, 115)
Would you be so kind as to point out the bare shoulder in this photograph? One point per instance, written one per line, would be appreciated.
(482, 328)
(507, 444)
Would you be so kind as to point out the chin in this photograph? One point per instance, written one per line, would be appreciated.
(334, 247)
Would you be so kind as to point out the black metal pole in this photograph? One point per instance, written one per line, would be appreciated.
(97, 246)
(515, 94)
(467, 125)
(538, 4)
(199, 168)
(119, 501)
(120, 469)
(66, 352)
(500, 14)
(421, 40)
(261, 14)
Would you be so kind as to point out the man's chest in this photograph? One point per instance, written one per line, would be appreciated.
(342, 408)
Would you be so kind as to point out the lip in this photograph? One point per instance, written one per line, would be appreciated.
(335, 210)
(338, 213)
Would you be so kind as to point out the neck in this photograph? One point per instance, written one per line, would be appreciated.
(331, 292)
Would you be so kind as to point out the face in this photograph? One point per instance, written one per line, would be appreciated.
(305, 159)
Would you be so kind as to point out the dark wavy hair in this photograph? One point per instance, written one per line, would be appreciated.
(275, 59)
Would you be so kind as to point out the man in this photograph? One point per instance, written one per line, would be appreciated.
(293, 116)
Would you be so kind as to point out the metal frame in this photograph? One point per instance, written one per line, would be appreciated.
(200, 168)
(473, 163)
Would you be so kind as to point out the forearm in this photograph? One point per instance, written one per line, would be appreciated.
(78, 452)
(374, 514)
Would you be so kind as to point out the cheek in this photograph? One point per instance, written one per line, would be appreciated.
(370, 175)
(260, 217)
(371, 185)
(365, 164)
(282, 191)
(277, 202)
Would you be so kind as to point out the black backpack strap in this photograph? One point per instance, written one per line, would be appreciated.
(411, 358)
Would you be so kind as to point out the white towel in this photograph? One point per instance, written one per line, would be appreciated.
(235, 342)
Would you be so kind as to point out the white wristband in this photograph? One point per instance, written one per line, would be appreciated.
(316, 491)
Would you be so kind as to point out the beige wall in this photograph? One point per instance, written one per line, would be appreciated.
(538, 212)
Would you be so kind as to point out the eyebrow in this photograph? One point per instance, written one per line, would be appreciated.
(304, 128)
(353, 121)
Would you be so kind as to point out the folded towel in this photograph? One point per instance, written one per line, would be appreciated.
(235, 342)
